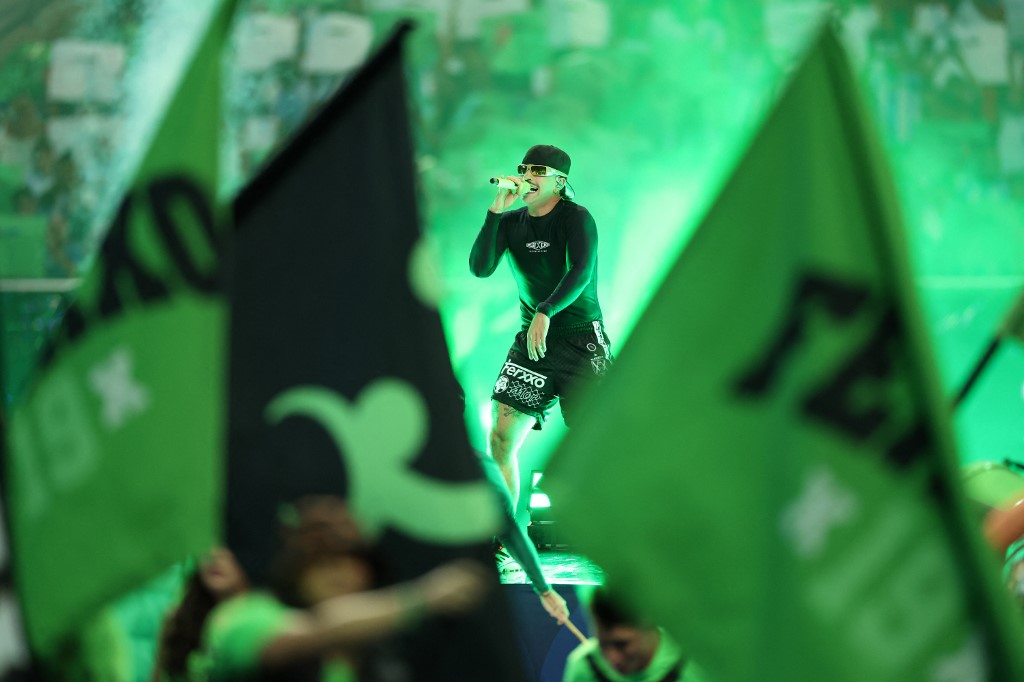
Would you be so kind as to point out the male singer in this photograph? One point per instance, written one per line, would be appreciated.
(552, 247)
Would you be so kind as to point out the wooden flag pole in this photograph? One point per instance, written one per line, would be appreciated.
(574, 630)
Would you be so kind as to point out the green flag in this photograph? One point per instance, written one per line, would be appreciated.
(114, 457)
(769, 470)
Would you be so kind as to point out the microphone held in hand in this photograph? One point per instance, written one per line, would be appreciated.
(505, 183)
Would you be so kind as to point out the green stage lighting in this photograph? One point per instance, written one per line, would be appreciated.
(538, 498)
(539, 508)
(539, 501)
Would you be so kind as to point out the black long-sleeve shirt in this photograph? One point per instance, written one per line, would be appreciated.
(553, 259)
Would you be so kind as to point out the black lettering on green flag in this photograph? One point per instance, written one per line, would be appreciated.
(114, 457)
(779, 403)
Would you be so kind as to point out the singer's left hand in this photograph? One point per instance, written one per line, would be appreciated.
(537, 336)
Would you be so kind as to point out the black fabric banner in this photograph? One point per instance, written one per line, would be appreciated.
(340, 378)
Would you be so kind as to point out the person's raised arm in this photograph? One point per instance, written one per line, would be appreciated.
(490, 243)
(355, 619)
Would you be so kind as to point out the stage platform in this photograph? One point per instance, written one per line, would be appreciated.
(543, 643)
(562, 568)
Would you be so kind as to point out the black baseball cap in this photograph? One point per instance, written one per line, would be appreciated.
(548, 155)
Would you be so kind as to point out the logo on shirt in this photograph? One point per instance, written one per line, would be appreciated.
(538, 246)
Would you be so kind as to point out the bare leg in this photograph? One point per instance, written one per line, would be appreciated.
(509, 427)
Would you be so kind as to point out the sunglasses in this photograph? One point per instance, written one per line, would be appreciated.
(540, 171)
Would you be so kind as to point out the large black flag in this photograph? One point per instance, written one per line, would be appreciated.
(340, 380)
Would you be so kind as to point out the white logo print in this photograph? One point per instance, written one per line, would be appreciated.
(538, 246)
(114, 382)
(823, 505)
(528, 396)
(378, 436)
(526, 376)
(501, 385)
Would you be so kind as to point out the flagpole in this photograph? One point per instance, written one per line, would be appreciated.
(979, 367)
(574, 630)
(1013, 325)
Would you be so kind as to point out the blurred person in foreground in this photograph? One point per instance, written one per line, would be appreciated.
(551, 244)
(1003, 529)
(327, 608)
(995, 493)
(626, 649)
(98, 651)
(216, 578)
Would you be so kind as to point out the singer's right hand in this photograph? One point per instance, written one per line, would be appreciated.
(507, 197)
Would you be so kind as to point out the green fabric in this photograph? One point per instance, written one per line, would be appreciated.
(769, 470)
(239, 629)
(97, 652)
(141, 615)
(24, 245)
(668, 653)
(1014, 555)
(114, 458)
(237, 633)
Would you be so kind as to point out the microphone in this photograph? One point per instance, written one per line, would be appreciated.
(505, 183)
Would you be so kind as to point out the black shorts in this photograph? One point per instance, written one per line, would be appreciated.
(574, 356)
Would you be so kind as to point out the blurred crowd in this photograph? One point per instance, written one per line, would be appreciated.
(325, 613)
(46, 199)
(956, 66)
(642, 79)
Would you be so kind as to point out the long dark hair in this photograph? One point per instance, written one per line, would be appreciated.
(183, 630)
